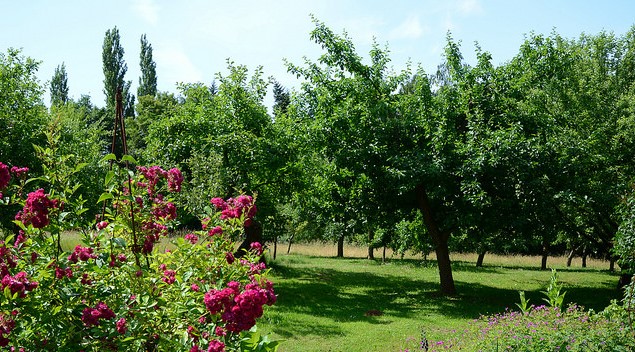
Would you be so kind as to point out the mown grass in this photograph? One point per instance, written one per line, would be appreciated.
(355, 304)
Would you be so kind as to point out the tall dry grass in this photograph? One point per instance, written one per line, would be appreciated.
(354, 251)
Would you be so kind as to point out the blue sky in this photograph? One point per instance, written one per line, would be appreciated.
(192, 39)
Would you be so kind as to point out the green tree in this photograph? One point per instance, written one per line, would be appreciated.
(115, 68)
(149, 109)
(81, 142)
(22, 111)
(281, 98)
(59, 86)
(355, 122)
(22, 117)
(223, 141)
(148, 79)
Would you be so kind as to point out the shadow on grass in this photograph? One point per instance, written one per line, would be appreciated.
(341, 296)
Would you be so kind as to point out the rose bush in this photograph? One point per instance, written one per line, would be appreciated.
(119, 289)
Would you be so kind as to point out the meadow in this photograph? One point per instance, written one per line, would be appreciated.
(355, 304)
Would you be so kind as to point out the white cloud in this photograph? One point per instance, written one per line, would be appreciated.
(175, 65)
(148, 10)
(410, 28)
(361, 30)
(449, 24)
(469, 7)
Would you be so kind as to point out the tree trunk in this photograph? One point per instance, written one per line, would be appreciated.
(371, 250)
(479, 260)
(340, 247)
(545, 254)
(440, 240)
(383, 255)
(275, 247)
(253, 234)
(290, 240)
(584, 256)
(445, 267)
(612, 264)
(570, 257)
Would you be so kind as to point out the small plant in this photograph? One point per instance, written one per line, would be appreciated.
(524, 303)
(554, 295)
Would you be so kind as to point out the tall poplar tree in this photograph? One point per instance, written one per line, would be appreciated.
(59, 86)
(115, 69)
(148, 79)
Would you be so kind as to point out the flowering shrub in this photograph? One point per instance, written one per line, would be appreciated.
(241, 207)
(541, 328)
(117, 290)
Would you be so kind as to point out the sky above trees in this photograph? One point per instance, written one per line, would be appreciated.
(192, 40)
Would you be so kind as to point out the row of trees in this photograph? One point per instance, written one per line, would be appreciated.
(532, 156)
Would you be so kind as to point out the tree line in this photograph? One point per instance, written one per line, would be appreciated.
(531, 156)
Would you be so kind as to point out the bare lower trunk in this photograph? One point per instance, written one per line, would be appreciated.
(253, 234)
(440, 239)
(543, 262)
(584, 256)
(371, 250)
(445, 268)
(479, 260)
(290, 240)
(611, 264)
(340, 247)
(275, 247)
(570, 257)
(383, 255)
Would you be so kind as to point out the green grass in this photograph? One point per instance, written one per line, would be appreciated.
(330, 304)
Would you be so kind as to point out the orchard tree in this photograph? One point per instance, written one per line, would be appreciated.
(567, 95)
(355, 124)
(148, 79)
(225, 143)
(149, 110)
(59, 86)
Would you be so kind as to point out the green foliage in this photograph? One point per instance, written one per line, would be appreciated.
(252, 340)
(355, 136)
(22, 112)
(72, 136)
(115, 68)
(524, 303)
(625, 238)
(148, 79)
(22, 115)
(150, 109)
(546, 328)
(59, 86)
(554, 296)
(281, 98)
(225, 142)
(115, 291)
(542, 329)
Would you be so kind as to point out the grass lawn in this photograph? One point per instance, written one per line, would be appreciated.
(355, 304)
